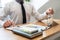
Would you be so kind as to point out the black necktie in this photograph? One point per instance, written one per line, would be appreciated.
(23, 13)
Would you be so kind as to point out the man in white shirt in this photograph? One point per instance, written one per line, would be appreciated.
(15, 12)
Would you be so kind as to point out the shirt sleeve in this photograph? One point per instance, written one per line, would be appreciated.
(39, 16)
(5, 12)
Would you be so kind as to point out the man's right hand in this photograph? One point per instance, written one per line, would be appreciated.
(8, 23)
(50, 11)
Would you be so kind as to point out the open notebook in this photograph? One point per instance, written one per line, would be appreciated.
(29, 30)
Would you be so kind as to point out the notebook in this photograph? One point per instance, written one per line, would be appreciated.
(29, 30)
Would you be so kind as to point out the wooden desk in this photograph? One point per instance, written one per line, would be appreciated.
(9, 35)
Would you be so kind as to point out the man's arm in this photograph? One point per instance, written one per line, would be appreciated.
(6, 12)
(39, 16)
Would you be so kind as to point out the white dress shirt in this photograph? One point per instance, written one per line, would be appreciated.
(13, 9)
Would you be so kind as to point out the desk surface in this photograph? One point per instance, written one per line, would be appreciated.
(9, 35)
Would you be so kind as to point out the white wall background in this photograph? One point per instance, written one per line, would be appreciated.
(38, 3)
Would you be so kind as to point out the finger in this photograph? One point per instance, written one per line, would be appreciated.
(13, 24)
(7, 24)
